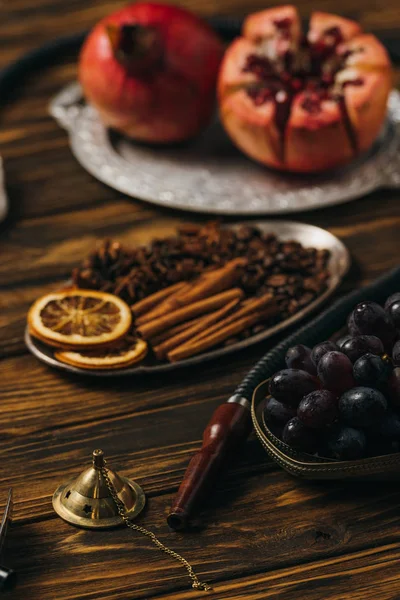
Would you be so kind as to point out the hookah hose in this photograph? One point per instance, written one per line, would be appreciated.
(231, 423)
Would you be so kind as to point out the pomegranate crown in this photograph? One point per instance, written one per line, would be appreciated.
(137, 47)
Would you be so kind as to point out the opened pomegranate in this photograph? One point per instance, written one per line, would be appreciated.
(303, 103)
(150, 70)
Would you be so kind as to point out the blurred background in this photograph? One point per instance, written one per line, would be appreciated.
(29, 134)
(25, 23)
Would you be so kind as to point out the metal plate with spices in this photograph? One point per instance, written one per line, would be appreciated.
(307, 235)
(210, 176)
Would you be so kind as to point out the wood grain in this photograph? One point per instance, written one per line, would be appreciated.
(262, 534)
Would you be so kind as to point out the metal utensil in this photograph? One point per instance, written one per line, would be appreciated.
(85, 501)
(7, 576)
(3, 194)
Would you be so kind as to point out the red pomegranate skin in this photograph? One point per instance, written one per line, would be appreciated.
(303, 103)
(169, 101)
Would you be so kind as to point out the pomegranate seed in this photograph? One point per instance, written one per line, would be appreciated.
(327, 79)
(258, 100)
(356, 82)
(347, 53)
(320, 47)
(311, 105)
(312, 85)
(283, 23)
(259, 95)
(284, 79)
(297, 84)
(304, 41)
(288, 60)
(259, 65)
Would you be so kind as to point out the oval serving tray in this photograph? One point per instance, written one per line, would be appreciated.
(307, 466)
(210, 176)
(307, 235)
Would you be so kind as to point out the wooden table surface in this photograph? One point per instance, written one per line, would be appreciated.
(263, 534)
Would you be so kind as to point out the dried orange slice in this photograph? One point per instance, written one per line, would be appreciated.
(79, 318)
(125, 353)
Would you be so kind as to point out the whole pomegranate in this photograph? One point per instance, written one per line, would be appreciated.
(303, 103)
(150, 70)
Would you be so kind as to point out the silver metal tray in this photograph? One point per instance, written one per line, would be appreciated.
(210, 176)
(307, 235)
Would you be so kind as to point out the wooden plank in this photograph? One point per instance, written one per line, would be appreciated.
(363, 575)
(263, 534)
(49, 429)
(254, 526)
(50, 246)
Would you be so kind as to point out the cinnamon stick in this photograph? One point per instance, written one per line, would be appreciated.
(151, 329)
(208, 284)
(265, 304)
(216, 281)
(169, 333)
(215, 336)
(148, 303)
(201, 324)
(169, 303)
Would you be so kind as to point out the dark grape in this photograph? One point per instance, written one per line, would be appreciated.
(392, 300)
(336, 372)
(369, 318)
(276, 412)
(318, 409)
(380, 446)
(345, 443)
(392, 307)
(299, 437)
(362, 406)
(384, 437)
(396, 354)
(357, 346)
(371, 371)
(276, 429)
(394, 387)
(341, 341)
(290, 385)
(389, 426)
(299, 357)
(351, 326)
(321, 349)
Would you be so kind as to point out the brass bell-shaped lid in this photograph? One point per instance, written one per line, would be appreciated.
(87, 501)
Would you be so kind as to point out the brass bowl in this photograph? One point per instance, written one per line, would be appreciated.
(307, 466)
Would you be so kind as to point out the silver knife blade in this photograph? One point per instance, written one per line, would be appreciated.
(3, 194)
(7, 517)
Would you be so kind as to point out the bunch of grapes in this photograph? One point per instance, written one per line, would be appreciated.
(342, 400)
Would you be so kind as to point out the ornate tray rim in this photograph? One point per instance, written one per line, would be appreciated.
(91, 145)
(307, 466)
(342, 257)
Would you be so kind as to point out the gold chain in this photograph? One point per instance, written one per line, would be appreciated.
(196, 584)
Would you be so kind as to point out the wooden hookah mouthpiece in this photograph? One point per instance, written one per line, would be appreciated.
(229, 426)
